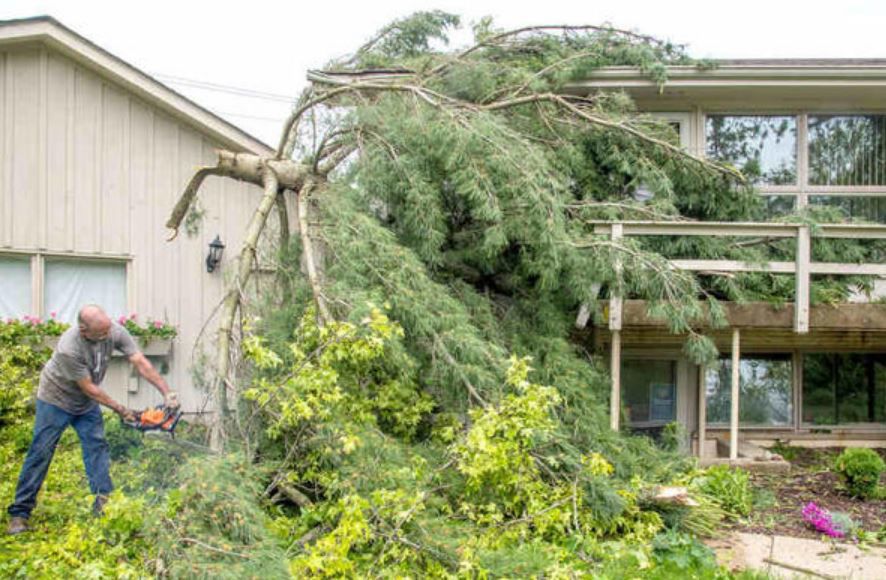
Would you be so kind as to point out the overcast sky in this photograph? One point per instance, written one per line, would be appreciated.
(266, 45)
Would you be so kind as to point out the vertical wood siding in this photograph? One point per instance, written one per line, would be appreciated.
(87, 167)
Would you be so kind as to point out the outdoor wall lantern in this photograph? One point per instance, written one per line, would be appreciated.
(216, 247)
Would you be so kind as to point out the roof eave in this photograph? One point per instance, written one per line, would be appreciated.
(855, 73)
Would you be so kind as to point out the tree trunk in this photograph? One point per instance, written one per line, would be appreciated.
(232, 303)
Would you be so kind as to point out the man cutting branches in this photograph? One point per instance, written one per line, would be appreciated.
(70, 394)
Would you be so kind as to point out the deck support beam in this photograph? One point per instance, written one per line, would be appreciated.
(615, 311)
(801, 290)
(734, 412)
(702, 410)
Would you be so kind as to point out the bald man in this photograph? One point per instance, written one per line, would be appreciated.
(69, 394)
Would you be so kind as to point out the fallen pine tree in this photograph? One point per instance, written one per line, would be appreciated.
(413, 402)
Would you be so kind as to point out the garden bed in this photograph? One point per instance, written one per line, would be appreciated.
(780, 497)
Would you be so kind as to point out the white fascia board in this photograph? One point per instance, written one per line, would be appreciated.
(58, 38)
(742, 75)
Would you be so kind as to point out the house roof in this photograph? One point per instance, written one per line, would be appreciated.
(53, 34)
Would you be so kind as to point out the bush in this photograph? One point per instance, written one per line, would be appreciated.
(730, 487)
(860, 469)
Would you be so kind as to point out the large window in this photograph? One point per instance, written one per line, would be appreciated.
(765, 390)
(847, 150)
(844, 388)
(63, 285)
(763, 147)
(649, 391)
(836, 160)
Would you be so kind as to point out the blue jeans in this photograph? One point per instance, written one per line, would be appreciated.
(49, 424)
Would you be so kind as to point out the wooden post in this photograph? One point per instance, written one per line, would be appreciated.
(615, 372)
(801, 299)
(615, 310)
(702, 410)
(736, 376)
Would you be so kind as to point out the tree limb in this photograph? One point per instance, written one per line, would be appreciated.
(308, 254)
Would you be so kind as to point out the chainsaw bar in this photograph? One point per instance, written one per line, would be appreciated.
(160, 418)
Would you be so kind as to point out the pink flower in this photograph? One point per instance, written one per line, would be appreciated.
(158, 324)
(53, 314)
(122, 319)
(132, 316)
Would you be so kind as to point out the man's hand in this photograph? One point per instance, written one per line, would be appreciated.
(127, 415)
(170, 400)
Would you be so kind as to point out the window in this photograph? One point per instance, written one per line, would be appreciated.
(844, 388)
(679, 122)
(779, 205)
(15, 287)
(649, 391)
(63, 285)
(870, 209)
(763, 147)
(71, 284)
(765, 390)
(847, 150)
(827, 159)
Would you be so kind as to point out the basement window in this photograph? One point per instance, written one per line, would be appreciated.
(844, 388)
(765, 391)
(649, 391)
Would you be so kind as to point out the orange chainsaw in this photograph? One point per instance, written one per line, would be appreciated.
(160, 418)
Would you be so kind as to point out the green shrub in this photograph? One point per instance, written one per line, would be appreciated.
(730, 487)
(860, 469)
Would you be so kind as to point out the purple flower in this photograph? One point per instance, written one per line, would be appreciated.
(820, 519)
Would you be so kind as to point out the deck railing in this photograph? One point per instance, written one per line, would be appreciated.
(802, 267)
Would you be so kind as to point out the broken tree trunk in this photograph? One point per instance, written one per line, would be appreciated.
(232, 302)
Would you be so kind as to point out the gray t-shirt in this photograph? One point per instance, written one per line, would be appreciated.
(76, 358)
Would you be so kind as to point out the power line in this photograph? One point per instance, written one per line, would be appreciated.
(254, 117)
(229, 89)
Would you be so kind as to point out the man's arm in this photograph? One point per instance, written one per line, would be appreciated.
(92, 391)
(147, 370)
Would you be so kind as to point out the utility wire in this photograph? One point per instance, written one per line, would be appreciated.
(229, 89)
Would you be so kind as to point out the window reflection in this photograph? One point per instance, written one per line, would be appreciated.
(847, 150)
(870, 209)
(765, 390)
(763, 147)
(779, 205)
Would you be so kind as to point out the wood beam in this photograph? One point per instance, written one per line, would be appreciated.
(773, 230)
(616, 301)
(801, 288)
(702, 410)
(736, 377)
(615, 372)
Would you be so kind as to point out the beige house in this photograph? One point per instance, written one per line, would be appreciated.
(808, 132)
(93, 155)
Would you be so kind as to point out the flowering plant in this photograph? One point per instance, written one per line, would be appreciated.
(835, 525)
(150, 330)
(38, 326)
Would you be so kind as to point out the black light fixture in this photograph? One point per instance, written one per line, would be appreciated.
(216, 247)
